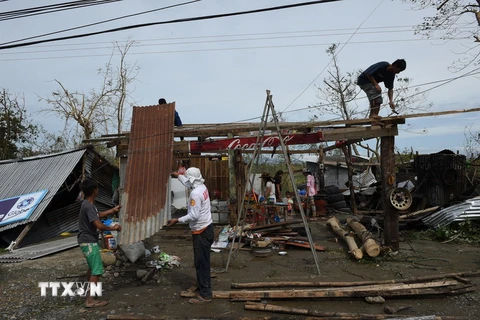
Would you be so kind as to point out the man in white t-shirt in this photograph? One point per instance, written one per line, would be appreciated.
(199, 218)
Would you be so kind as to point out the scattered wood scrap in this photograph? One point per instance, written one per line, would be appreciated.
(446, 287)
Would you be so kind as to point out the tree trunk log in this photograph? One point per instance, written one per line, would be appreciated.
(352, 245)
(370, 245)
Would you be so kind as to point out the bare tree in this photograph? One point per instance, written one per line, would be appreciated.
(453, 19)
(90, 114)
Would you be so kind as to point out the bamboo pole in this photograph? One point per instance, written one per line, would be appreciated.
(247, 285)
(370, 245)
(307, 312)
(416, 213)
(433, 288)
(352, 245)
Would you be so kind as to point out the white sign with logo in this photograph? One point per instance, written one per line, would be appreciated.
(19, 208)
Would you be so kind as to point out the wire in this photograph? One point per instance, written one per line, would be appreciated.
(219, 41)
(22, 13)
(247, 34)
(198, 18)
(335, 53)
(215, 49)
(100, 22)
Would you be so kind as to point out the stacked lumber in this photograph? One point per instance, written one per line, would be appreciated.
(447, 284)
(434, 285)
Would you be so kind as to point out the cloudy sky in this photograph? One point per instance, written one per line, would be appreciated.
(218, 70)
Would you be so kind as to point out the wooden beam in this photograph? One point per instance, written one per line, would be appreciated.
(22, 235)
(391, 225)
(235, 128)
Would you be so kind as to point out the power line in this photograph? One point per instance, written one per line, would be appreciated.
(353, 34)
(210, 41)
(34, 11)
(220, 49)
(243, 34)
(101, 22)
(198, 18)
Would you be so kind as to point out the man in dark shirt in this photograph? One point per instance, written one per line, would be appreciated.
(177, 121)
(88, 224)
(369, 82)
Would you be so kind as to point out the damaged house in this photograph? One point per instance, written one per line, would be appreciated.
(55, 178)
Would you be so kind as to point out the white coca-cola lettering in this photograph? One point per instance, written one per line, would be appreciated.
(271, 141)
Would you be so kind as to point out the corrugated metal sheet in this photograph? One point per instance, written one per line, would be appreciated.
(39, 250)
(468, 210)
(33, 174)
(441, 177)
(145, 200)
(49, 225)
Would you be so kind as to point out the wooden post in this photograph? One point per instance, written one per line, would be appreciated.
(388, 183)
(347, 151)
(22, 235)
(321, 168)
(237, 175)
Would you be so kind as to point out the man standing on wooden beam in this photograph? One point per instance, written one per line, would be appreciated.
(369, 82)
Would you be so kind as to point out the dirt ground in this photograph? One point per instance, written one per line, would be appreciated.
(160, 297)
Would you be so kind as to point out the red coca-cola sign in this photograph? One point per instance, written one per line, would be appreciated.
(246, 143)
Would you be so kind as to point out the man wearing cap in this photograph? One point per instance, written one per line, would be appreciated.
(199, 218)
(311, 191)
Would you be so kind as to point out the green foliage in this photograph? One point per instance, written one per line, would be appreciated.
(464, 231)
(16, 129)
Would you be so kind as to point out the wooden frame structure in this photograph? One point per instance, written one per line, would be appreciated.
(349, 131)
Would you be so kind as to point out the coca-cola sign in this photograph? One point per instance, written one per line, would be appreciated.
(246, 143)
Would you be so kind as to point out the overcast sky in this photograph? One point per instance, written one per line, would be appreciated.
(218, 70)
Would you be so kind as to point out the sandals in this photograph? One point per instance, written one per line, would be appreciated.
(199, 300)
(97, 303)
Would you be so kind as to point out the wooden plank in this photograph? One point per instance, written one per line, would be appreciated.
(304, 244)
(300, 311)
(247, 285)
(432, 288)
(419, 212)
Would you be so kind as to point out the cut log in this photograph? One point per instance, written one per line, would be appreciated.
(370, 245)
(352, 245)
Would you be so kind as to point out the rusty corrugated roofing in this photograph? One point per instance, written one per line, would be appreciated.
(145, 199)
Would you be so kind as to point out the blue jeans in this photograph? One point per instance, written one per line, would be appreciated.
(201, 255)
